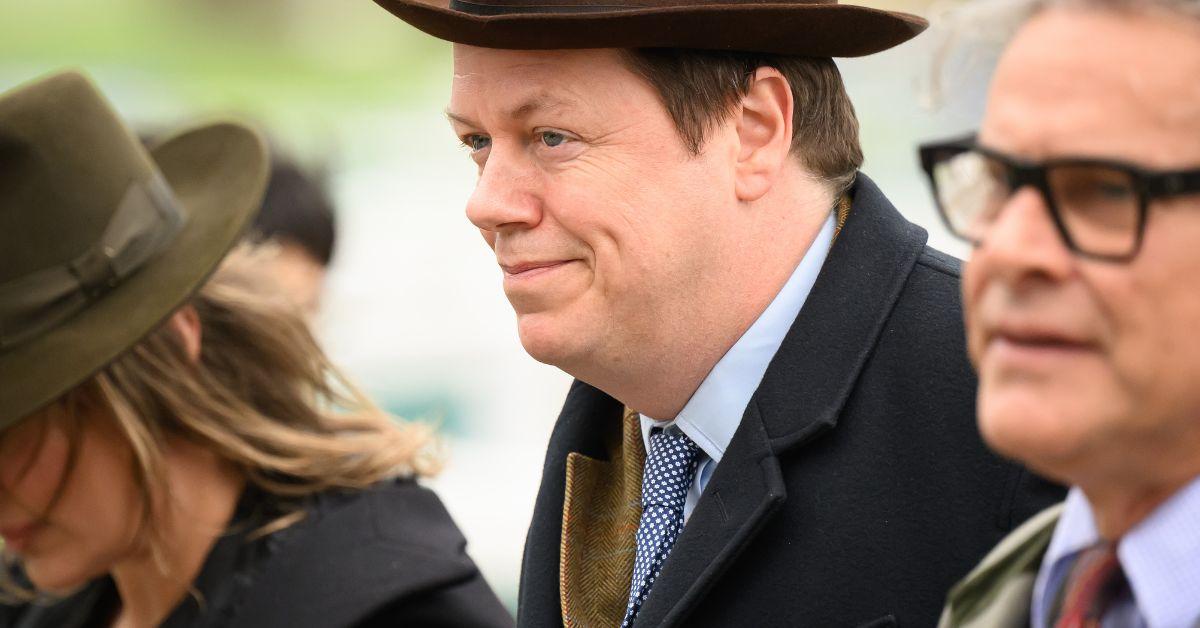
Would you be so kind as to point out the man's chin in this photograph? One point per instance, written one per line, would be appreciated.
(545, 340)
(1048, 442)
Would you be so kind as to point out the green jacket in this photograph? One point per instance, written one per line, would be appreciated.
(998, 593)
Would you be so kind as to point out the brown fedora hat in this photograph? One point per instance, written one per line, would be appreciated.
(100, 239)
(808, 28)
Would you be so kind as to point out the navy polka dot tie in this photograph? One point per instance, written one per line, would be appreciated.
(670, 467)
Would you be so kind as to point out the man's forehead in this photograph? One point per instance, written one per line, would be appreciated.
(521, 82)
(544, 67)
(1056, 90)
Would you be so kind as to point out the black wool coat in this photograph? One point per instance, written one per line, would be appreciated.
(856, 490)
(388, 556)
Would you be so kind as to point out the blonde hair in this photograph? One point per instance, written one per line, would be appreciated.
(262, 396)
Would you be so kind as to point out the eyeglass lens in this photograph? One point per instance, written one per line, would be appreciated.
(1097, 205)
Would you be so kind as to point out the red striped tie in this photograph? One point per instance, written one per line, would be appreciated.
(1094, 582)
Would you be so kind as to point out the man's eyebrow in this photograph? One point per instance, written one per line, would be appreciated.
(538, 103)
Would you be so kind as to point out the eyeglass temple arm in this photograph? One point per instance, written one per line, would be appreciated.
(1173, 183)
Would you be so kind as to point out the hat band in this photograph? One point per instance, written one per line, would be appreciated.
(475, 8)
(146, 221)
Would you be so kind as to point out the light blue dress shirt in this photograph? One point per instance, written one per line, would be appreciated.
(713, 413)
(1160, 556)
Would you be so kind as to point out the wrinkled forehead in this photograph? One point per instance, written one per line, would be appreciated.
(509, 79)
(1099, 83)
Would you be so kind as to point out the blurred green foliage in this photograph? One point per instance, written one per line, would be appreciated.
(267, 58)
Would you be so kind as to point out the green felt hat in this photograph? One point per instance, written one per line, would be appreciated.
(100, 239)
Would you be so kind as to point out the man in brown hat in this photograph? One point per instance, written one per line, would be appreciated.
(773, 419)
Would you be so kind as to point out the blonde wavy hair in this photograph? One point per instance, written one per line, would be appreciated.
(263, 396)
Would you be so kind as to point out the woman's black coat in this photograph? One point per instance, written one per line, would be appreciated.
(387, 556)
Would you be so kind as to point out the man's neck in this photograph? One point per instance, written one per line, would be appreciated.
(1119, 509)
(660, 378)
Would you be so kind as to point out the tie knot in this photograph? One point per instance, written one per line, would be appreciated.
(670, 468)
(1094, 582)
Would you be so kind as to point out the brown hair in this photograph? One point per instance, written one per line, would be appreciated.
(263, 396)
(701, 88)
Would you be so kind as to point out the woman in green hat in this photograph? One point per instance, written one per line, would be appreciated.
(175, 449)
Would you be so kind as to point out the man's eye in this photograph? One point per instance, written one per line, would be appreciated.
(477, 142)
(553, 138)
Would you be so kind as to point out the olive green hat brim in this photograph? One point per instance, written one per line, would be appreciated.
(218, 174)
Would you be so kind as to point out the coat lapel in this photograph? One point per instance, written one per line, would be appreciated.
(584, 428)
(601, 510)
(813, 373)
(744, 491)
(999, 592)
(800, 397)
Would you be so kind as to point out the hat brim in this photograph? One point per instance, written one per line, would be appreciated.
(218, 173)
(806, 30)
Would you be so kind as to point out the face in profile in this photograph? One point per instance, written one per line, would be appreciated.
(1083, 359)
(604, 225)
(69, 509)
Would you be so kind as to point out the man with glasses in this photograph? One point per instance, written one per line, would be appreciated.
(1081, 194)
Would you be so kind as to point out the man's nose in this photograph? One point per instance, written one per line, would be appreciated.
(1024, 242)
(506, 196)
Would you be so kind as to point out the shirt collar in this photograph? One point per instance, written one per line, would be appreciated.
(1160, 556)
(715, 410)
(1076, 529)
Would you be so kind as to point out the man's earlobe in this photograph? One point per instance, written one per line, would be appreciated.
(764, 128)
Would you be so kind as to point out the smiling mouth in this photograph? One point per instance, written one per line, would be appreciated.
(532, 269)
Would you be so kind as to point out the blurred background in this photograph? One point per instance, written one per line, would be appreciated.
(413, 307)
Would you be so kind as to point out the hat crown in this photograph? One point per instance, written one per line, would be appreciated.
(66, 161)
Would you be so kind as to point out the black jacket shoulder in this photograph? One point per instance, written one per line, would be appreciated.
(389, 555)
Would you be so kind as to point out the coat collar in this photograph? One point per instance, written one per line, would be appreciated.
(353, 553)
(997, 593)
(836, 330)
(801, 396)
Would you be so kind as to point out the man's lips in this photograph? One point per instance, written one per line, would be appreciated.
(1039, 335)
(1029, 342)
(530, 269)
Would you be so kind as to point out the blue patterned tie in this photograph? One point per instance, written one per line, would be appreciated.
(670, 467)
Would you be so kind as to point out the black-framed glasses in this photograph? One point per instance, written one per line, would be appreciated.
(1099, 206)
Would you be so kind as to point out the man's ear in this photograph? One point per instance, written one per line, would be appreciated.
(764, 128)
(185, 322)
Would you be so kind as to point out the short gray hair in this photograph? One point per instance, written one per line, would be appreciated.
(980, 27)
(1189, 8)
